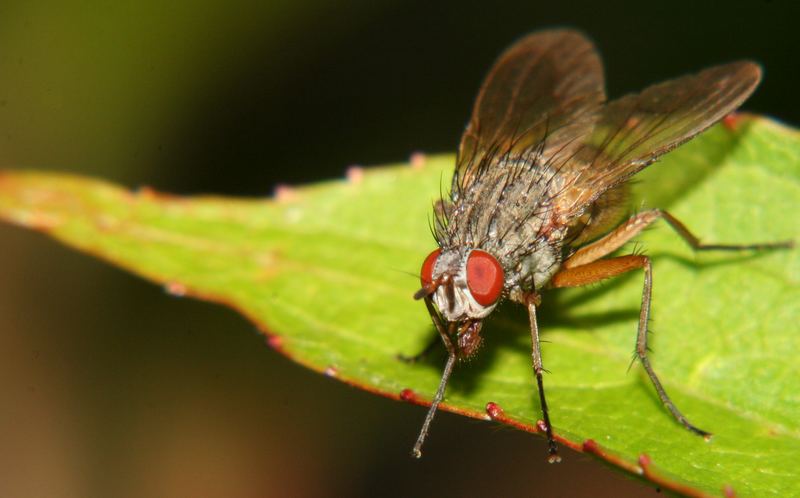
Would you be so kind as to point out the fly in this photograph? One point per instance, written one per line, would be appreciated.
(537, 198)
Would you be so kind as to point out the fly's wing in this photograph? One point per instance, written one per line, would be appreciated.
(542, 93)
(635, 130)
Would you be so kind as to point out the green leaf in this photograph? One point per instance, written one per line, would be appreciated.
(327, 272)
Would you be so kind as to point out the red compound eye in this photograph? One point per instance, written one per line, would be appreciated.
(426, 274)
(484, 277)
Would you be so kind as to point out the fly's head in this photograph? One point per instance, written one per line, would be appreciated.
(461, 286)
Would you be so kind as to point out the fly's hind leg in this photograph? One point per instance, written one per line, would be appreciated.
(638, 222)
(585, 266)
(606, 268)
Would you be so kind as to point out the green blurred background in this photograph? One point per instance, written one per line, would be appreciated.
(111, 387)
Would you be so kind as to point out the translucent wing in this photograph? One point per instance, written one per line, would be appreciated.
(547, 85)
(635, 130)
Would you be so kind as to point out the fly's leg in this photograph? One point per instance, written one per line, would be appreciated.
(416, 452)
(445, 332)
(585, 267)
(638, 222)
(536, 355)
(641, 350)
(606, 268)
(441, 329)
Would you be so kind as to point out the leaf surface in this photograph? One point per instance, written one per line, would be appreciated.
(327, 272)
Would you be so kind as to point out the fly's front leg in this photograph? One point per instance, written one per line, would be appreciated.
(440, 328)
(536, 354)
(606, 268)
(446, 331)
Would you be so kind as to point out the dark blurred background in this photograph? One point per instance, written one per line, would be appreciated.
(110, 387)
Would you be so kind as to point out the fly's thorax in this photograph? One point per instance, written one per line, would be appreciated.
(454, 299)
(532, 271)
(504, 206)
